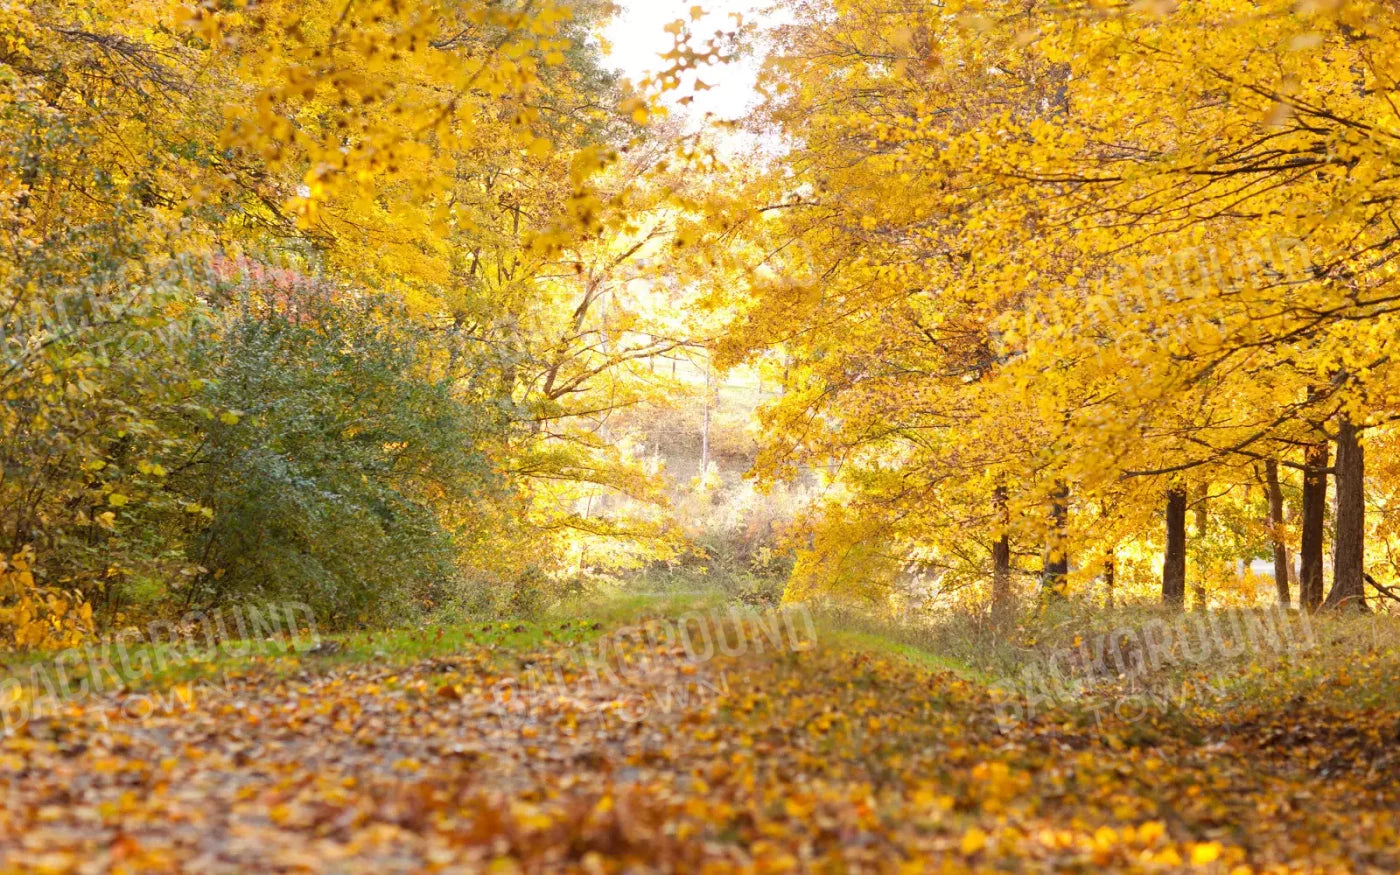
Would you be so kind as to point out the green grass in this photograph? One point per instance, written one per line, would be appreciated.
(876, 643)
(1356, 661)
(146, 666)
(628, 606)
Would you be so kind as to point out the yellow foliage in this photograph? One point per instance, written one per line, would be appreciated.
(34, 617)
(1042, 253)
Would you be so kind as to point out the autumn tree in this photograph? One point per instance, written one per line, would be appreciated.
(1040, 249)
(189, 186)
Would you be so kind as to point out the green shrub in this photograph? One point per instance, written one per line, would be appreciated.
(323, 486)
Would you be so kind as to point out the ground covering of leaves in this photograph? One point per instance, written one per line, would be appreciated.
(826, 759)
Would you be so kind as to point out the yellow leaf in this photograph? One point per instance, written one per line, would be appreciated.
(973, 841)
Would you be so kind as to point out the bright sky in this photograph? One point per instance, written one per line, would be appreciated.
(638, 35)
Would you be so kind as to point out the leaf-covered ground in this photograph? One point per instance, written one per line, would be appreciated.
(827, 759)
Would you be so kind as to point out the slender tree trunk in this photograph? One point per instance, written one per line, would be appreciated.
(1001, 554)
(1110, 574)
(1314, 518)
(1285, 599)
(1174, 568)
(1349, 559)
(1202, 519)
(705, 429)
(1057, 556)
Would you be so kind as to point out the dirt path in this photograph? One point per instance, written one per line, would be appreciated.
(823, 760)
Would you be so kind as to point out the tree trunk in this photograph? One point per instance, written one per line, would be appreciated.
(1349, 559)
(1174, 568)
(1001, 554)
(705, 430)
(1110, 574)
(1202, 519)
(1057, 555)
(1285, 599)
(1314, 518)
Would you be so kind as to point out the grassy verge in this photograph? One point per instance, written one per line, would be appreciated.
(138, 665)
(875, 642)
(1352, 661)
(1086, 658)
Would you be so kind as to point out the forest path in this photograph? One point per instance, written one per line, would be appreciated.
(643, 748)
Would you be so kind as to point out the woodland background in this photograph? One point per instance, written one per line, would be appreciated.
(416, 310)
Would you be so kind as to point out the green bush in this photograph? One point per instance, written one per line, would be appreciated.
(320, 486)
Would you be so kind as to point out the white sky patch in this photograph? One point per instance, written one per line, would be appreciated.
(637, 37)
